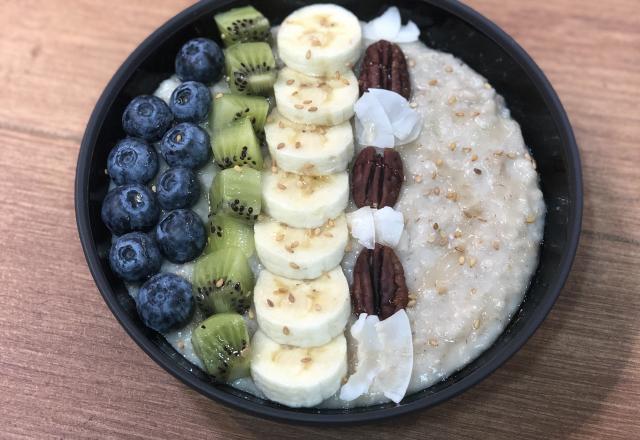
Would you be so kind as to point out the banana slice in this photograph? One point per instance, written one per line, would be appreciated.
(309, 149)
(304, 201)
(294, 376)
(300, 253)
(320, 101)
(302, 313)
(320, 40)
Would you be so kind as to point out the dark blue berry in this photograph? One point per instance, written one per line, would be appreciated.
(186, 145)
(165, 301)
(178, 188)
(131, 207)
(135, 256)
(147, 117)
(200, 60)
(132, 161)
(190, 102)
(181, 236)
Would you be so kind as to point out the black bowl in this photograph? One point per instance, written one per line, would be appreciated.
(446, 25)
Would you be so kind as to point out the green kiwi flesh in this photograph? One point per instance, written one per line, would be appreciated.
(222, 344)
(231, 107)
(237, 192)
(223, 282)
(237, 144)
(241, 25)
(226, 231)
(251, 68)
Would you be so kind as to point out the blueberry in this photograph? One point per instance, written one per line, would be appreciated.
(131, 207)
(147, 117)
(178, 188)
(190, 102)
(186, 145)
(135, 256)
(181, 236)
(132, 161)
(165, 301)
(200, 60)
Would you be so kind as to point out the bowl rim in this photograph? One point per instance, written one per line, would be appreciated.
(463, 12)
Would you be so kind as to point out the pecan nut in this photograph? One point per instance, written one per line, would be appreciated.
(377, 179)
(385, 67)
(379, 287)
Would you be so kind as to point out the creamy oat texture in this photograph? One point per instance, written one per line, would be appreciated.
(474, 218)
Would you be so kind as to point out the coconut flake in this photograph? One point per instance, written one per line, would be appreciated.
(389, 224)
(384, 119)
(389, 27)
(362, 226)
(368, 352)
(385, 357)
(396, 357)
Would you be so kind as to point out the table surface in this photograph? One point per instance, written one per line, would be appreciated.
(67, 368)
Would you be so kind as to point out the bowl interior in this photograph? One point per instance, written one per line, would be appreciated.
(446, 26)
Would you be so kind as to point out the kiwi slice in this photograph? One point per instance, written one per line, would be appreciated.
(223, 281)
(237, 144)
(251, 68)
(222, 344)
(241, 25)
(237, 192)
(232, 107)
(226, 231)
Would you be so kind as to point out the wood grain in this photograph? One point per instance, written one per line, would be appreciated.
(67, 369)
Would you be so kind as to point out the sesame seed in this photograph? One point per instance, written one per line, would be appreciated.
(294, 265)
(417, 178)
(433, 342)
(317, 231)
(285, 330)
(219, 95)
(313, 109)
(461, 260)
(411, 303)
(413, 104)
(448, 69)
(433, 82)
(345, 81)
(459, 114)
(237, 168)
(153, 188)
(269, 303)
(457, 233)
(251, 314)
(299, 106)
(511, 155)
(438, 162)
(459, 248)
(436, 226)
(452, 146)
(280, 124)
(305, 360)
(282, 289)
(477, 171)
(291, 298)
(487, 86)
(220, 283)
(452, 100)
(474, 114)
(474, 158)
(280, 146)
(441, 290)
(308, 54)
(282, 186)
(467, 149)
(411, 62)
(472, 262)
(496, 245)
(294, 93)
(279, 236)
(290, 81)
(531, 218)
(328, 234)
(298, 144)
(476, 324)
(307, 101)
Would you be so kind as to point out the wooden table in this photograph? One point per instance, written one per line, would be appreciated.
(68, 370)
